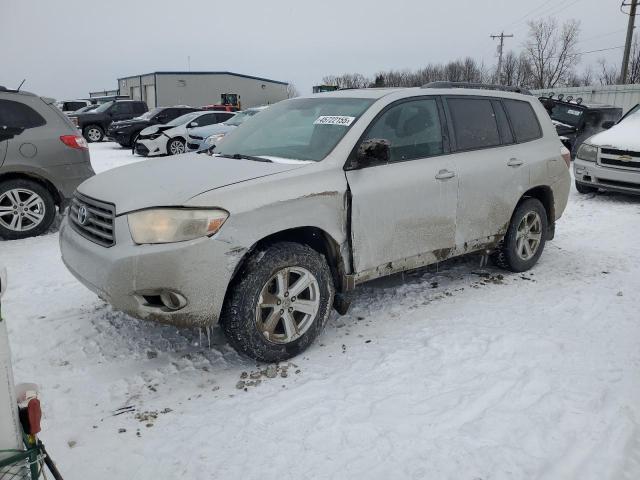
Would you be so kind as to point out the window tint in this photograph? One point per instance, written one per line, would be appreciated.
(523, 120)
(123, 107)
(139, 108)
(474, 123)
(412, 128)
(207, 119)
(221, 117)
(16, 114)
(503, 123)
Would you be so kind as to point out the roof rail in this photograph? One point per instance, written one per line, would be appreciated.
(481, 86)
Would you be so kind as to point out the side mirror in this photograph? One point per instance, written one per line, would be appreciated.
(7, 133)
(608, 124)
(372, 152)
(192, 125)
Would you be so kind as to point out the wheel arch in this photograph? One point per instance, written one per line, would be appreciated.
(314, 237)
(544, 194)
(46, 183)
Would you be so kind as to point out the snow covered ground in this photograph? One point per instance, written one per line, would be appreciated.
(460, 373)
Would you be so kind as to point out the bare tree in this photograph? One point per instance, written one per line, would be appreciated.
(551, 51)
(347, 80)
(608, 74)
(292, 91)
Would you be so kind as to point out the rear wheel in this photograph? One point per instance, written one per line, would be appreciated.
(176, 146)
(525, 239)
(93, 133)
(27, 209)
(582, 188)
(280, 302)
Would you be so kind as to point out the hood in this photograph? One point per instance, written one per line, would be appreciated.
(127, 123)
(155, 129)
(623, 136)
(209, 130)
(172, 181)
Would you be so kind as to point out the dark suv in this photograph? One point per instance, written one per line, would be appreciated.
(125, 131)
(43, 159)
(95, 123)
(576, 121)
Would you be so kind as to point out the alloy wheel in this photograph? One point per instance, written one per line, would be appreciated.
(288, 305)
(94, 134)
(176, 147)
(529, 235)
(21, 210)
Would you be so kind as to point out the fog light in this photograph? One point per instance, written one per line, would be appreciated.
(172, 300)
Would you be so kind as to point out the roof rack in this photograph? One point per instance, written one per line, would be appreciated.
(481, 86)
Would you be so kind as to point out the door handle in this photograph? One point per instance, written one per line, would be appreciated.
(445, 174)
(514, 162)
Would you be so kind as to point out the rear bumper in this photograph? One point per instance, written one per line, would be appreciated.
(69, 177)
(614, 179)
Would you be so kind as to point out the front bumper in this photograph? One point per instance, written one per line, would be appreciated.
(614, 179)
(131, 277)
(153, 147)
(121, 137)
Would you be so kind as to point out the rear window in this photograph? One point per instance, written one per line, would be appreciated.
(19, 115)
(523, 120)
(474, 123)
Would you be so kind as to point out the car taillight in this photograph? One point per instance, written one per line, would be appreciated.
(74, 141)
(566, 155)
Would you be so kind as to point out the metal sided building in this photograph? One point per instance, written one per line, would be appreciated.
(163, 89)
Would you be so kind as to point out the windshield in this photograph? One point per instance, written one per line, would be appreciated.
(186, 118)
(300, 129)
(240, 117)
(151, 113)
(104, 107)
(567, 114)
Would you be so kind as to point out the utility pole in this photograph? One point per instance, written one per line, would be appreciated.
(502, 36)
(627, 45)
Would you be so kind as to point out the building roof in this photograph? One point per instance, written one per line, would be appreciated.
(205, 73)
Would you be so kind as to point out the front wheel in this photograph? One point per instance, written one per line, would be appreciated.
(176, 146)
(27, 209)
(280, 302)
(525, 239)
(93, 133)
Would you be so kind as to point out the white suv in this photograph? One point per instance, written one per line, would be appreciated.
(312, 197)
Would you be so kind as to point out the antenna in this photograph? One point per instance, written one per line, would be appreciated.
(20, 86)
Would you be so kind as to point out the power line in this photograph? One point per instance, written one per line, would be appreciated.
(603, 35)
(520, 19)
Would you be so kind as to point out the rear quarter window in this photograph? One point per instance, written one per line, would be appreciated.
(17, 114)
(523, 120)
(474, 123)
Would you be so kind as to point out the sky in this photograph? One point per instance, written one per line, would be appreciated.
(66, 48)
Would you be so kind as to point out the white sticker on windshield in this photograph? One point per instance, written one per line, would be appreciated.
(574, 112)
(334, 120)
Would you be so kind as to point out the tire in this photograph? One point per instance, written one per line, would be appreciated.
(513, 253)
(243, 320)
(176, 146)
(31, 220)
(584, 189)
(93, 133)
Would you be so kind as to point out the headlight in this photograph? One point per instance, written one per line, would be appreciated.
(214, 139)
(166, 225)
(587, 152)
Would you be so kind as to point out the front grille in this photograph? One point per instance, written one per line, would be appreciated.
(620, 163)
(142, 149)
(93, 219)
(613, 157)
(614, 151)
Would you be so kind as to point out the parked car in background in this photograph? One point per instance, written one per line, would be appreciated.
(72, 105)
(94, 124)
(171, 138)
(125, 131)
(42, 161)
(206, 137)
(86, 108)
(610, 160)
(575, 121)
(314, 196)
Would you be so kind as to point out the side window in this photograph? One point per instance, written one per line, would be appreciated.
(18, 115)
(412, 128)
(523, 120)
(208, 119)
(171, 114)
(139, 108)
(474, 123)
(122, 107)
(503, 123)
(223, 117)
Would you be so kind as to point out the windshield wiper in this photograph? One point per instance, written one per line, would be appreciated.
(238, 156)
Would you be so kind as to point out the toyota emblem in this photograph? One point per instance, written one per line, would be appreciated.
(83, 215)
